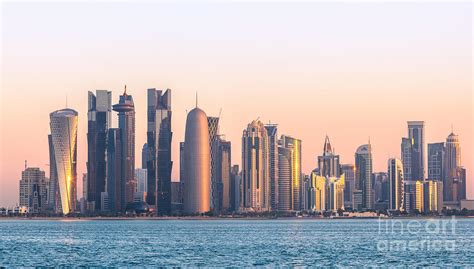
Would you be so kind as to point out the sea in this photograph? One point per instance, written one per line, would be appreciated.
(237, 243)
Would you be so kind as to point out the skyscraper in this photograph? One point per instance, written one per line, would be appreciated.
(33, 190)
(222, 173)
(272, 132)
(213, 127)
(115, 184)
(328, 163)
(285, 161)
(126, 115)
(408, 181)
(363, 164)
(296, 173)
(455, 179)
(98, 123)
(197, 163)
(416, 132)
(395, 177)
(235, 187)
(145, 154)
(348, 170)
(255, 167)
(436, 161)
(159, 162)
(64, 140)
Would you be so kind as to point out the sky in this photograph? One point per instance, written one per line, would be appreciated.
(347, 70)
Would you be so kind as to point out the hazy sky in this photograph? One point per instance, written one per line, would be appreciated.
(347, 70)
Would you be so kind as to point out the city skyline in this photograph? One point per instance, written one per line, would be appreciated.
(301, 84)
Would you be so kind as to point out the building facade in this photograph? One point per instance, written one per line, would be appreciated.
(396, 184)
(296, 170)
(363, 176)
(272, 132)
(285, 178)
(33, 190)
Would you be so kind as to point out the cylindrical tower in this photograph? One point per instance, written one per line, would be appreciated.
(197, 164)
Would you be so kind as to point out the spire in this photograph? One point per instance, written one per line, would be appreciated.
(26, 164)
(196, 99)
(327, 146)
(125, 90)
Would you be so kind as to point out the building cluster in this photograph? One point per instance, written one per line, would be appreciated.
(270, 177)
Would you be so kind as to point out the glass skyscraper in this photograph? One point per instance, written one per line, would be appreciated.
(98, 124)
(159, 164)
(296, 173)
(363, 164)
(64, 141)
(272, 131)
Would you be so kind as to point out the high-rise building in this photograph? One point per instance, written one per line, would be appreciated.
(381, 187)
(272, 132)
(408, 180)
(328, 163)
(396, 185)
(363, 176)
(141, 178)
(348, 170)
(197, 163)
(429, 196)
(455, 178)
(33, 190)
(159, 162)
(145, 154)
(98, 123)
(115, 185)
(416, 132)
(64, 141)
(335, 199)
(436, 161)
(255, 168)
(53, 191)
(223, 174)
(296, 173)
(235, 187)
(285, 178)
(126, 115)
(213, 127)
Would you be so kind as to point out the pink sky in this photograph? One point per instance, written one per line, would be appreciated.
(347, 70)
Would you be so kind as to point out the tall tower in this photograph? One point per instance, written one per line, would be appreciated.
(272, 131)
(396, 186)
(213, 127)
(455, 176)
(53, 191)
(197, 163)
(64, 141)
(126, 115)
(328, 163)
(159, 164)
(98, 123)
(223, 173)
(436, 161)
(255, 167)
(363, 164)
(416, 132)
(408, 180)
(285, 161)
(296, 180)
(349, 177)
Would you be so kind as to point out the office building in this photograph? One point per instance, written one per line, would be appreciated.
(363, 176)
(197, 163)
(126, 116)
(98, 123)
(255, 168)
(328, 163)
(53, 189)
(63, 125)
(235, 187)
(348, 170)
(159, 164)
(272, 132)
(296, 173)
(396, 184)
(33, 190)
(455, 178)
(213, 127)
(436, 161)
(115, 184)
(285, 178)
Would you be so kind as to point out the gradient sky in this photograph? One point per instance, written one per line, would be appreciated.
(349, 70)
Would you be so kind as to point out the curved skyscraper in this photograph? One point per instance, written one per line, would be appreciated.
(197, 163)
(64, 142)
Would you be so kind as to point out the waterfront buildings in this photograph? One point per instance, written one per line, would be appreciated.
(126, 116)
(396, 184)
(296, 172)
(409, 182)
(98, 123)
(455, 174)
(222, 173)
(436, 161)
(429, 196)
(272, 132)
(213, 127)
(255, 168)
(33, 190)
(63, 125)
(197, 163)
(158, 151)
(363, 176)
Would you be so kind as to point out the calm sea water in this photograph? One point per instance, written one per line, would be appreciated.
(234, 243)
